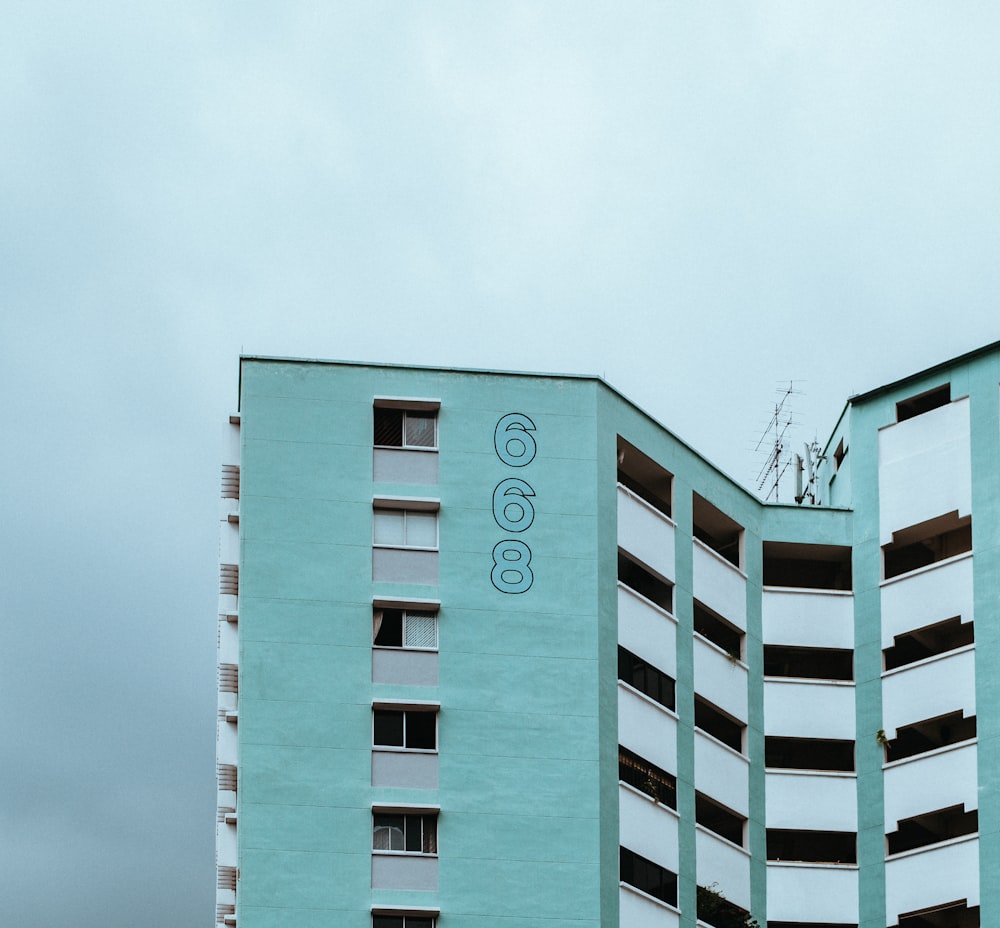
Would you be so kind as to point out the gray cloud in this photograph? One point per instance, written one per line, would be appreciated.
(696, 202)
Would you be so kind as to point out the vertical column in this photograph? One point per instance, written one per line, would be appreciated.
(867, 573)
(985, 436)
(687, 894)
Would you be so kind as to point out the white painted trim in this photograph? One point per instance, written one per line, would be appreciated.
(927, 568)
(380, 909)
(657, 705)
(923, 662)
(648, 602)
(737, 663)
(713, 740)
(810, 772)
(656, 802)
(428, 404)
(403, 602)
(656, 512)
(416, 503)
(719, 557)
(957, 746)
(633, 889)
(405, 807)
(708, 831)
(807, 589)
(811, 865)
(813, 681)
(937, 845)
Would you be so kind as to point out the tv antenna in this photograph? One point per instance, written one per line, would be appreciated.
(775, 442)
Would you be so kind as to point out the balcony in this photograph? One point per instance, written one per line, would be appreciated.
(720, 585)
(808, 709)
(929, 688)
(928, 595)
(722, 863)
(645, 532)
(811, 800)
(721, 772)
(647, 728)
(637, 910)
(648, 827)
(720, 678)
(812, 893)
(646, 629)
(808, 618)
(924, 467)
(927, 876)
(941, 778)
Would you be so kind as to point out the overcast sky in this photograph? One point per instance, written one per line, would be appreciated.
(696, 200)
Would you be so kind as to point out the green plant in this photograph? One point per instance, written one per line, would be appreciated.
(716, 910)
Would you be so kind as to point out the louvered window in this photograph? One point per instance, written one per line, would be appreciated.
(403, 628)
(226, 878)
(229, 580)
(227, 777)
(230, 481)
(229, 679)
(405, 428)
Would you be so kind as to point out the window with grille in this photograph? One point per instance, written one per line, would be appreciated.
(646, 776)
(410, 729)
(405, 628)
(406, 528)
(415, 429)
(397, 833)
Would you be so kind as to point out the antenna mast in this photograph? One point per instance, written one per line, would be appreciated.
(775, 440)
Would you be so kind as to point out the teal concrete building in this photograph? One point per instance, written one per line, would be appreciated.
(499, 650)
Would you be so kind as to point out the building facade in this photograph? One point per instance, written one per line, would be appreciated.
(500, 651)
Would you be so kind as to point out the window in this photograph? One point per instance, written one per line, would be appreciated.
(927, 543)
(932, 827)
(808, 663)
(712, 527)
(405, 628)
(717, 630)
(415, 429)
(398, 833)
(647, 777)
(923, 402)
(809, 754)
(928, 641)
(950, 915)
(718, 819)
(815, 567)
(402, 921)
(821, 847)
(406, 528)
(644, 582)
(647, 877)
(644, 477)
(930, 734)
(646, 678)
(410, 729)
(716, 910)
(713, 721)
(838, 455)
